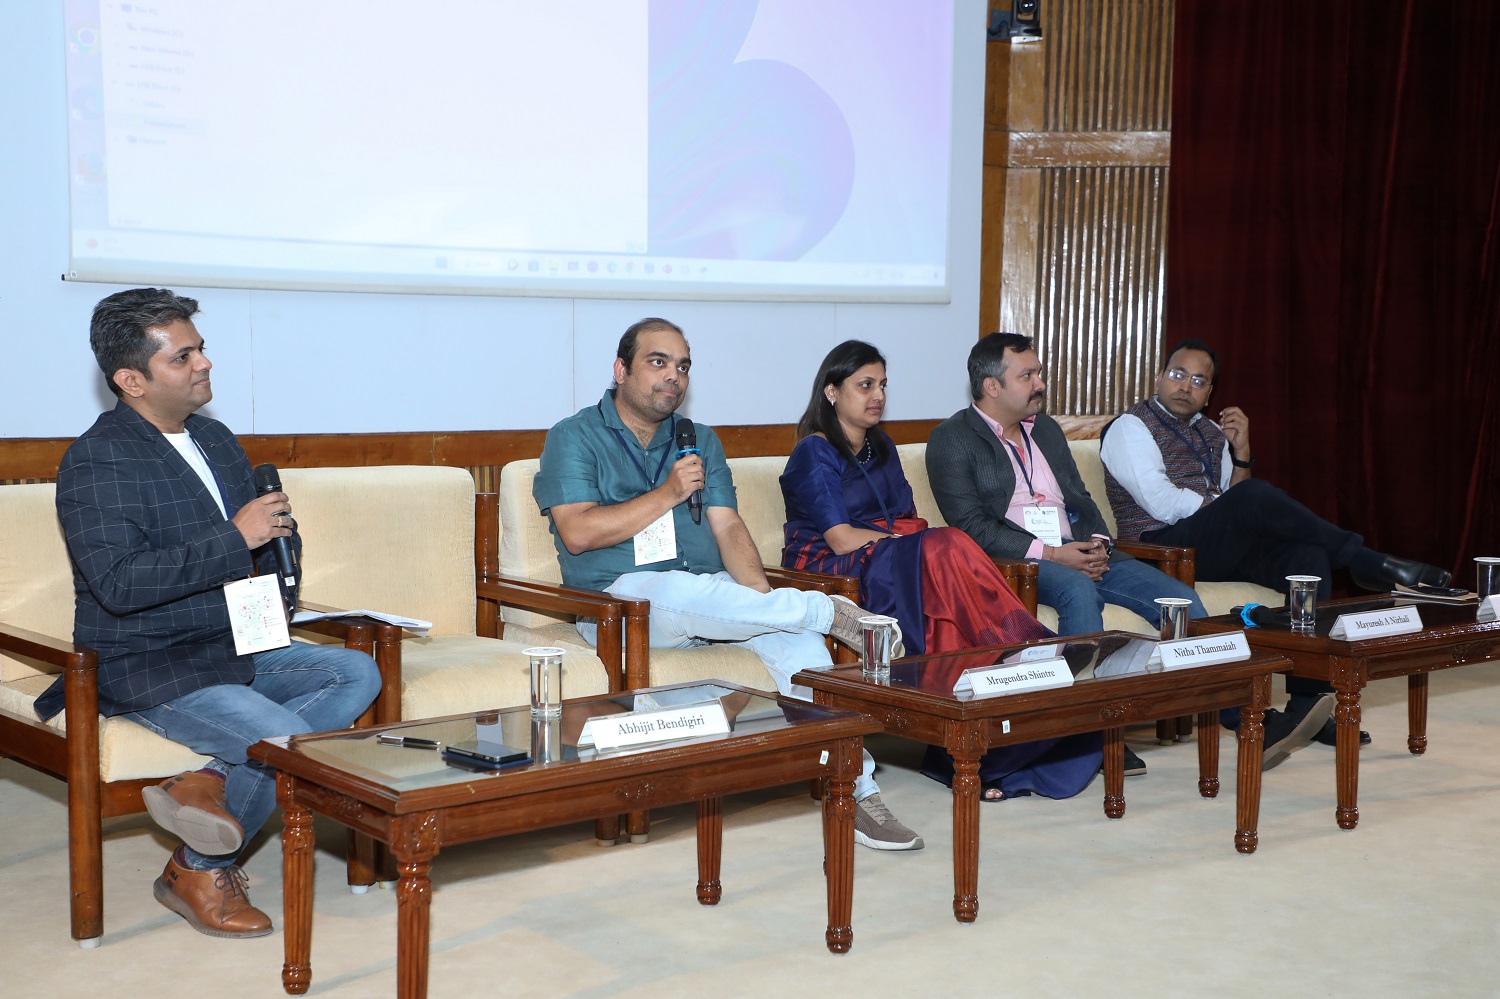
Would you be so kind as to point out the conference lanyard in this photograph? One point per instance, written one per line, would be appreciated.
(879, 497)
(1208, 474)
(1024, 463)
(650, 480)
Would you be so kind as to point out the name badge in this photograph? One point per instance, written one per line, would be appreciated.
(257, 615)
(658, 542)
(1204, 650)
(992, 681)
(1489, 608)
(1373, 624)
(640, 727)
(1044, 522)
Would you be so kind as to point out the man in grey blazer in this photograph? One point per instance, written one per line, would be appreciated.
(159, 512)
(1001, 472)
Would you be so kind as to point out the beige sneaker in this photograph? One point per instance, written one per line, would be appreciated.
(877, 828)
(846, 629)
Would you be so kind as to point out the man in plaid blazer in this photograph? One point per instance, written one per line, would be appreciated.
(159, 512)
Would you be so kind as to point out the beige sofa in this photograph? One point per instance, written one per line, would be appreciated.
(397, 539)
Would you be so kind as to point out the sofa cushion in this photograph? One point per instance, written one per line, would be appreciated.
(459, 673)
(36, 576)
(392, 538)
(757, 488)
(127, 751)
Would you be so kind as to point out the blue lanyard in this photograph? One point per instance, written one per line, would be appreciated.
(890, 524)
(1213, 480)
(1025, 471)
(650, 480)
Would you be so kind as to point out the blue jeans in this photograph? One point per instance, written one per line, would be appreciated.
(301, 688)
(784, 628)
(1129, 583)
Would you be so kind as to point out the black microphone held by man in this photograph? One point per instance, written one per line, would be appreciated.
(687, 443)
(268, 480)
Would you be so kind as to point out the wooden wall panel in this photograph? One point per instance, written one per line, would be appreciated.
(1084, 150)
(482, 452)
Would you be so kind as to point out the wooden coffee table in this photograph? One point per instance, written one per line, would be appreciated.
(411, 801)
(1450, 637)
(1113, 687)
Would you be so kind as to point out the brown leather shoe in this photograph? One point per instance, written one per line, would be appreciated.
(191, 806)
(213, 902)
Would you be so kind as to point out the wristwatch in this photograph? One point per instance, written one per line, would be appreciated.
(1240, 464)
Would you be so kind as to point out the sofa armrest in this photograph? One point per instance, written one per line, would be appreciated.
(624, 625)
(1179, 563)
(1020, 574)
(76, 756)
(367, 635)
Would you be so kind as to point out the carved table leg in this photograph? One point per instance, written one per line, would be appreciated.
(1416, 713)
(296, 888)
(710, 850)
(838, 846)
(965, 838)
(1249, 758)
(1114, 772)
(1208, 754)
(416, 843)
(1346, 757)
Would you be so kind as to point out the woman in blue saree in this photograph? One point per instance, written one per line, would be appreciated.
(850, 512)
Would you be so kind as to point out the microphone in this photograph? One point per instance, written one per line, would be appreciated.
(1261, 616)
(687, 443)
(288, 572)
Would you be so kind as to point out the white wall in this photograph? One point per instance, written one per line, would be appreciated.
(313, 362)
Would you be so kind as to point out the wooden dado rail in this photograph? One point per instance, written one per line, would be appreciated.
(482, 452)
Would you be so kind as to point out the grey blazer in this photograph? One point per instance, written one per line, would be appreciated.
(973, 481)
(150, 551)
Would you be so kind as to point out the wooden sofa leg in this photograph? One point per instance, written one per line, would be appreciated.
(1166, 731)
(85, 861)
(607, 830)
(361, 863)
(638, 824)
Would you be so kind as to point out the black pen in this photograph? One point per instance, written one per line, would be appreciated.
(407, 741)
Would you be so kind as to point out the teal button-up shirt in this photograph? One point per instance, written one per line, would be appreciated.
(593, 457)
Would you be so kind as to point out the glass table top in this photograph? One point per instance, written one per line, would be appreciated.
(542, 743)
(1089, 658)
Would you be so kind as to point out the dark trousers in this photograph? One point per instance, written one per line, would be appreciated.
(1258, 533)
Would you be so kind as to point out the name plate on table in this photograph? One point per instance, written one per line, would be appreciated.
(1489, 608)
(637, 728)
(1376, 623)
(992, 681)
(1204, 650)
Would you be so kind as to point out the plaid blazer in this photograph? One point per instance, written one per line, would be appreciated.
(150, 552)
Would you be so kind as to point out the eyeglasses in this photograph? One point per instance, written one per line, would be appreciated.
(1179, 375)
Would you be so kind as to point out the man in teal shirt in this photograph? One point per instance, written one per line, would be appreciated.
(618, 498)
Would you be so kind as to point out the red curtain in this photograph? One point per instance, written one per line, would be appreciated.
(1334, 234)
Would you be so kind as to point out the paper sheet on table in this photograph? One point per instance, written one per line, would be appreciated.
(414, 625)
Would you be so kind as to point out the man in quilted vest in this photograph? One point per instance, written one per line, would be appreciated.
(1175, 477)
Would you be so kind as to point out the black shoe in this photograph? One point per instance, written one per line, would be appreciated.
(1287, 733)
(1328, 734)
(1134, 765)
(1393, 570)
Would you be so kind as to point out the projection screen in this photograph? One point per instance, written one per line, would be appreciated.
(772, 150)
